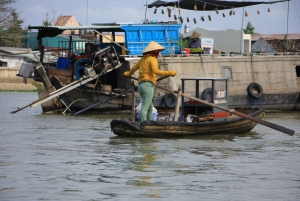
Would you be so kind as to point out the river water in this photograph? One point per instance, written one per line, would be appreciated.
(61, 157)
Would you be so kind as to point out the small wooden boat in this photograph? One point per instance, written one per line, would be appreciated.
(231, 125)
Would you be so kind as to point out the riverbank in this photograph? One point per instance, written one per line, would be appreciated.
(30, 87)
(10, 82)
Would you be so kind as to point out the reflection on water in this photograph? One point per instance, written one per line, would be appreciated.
(61, 157)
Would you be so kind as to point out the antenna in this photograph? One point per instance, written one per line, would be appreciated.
(146, 11)
(287, 28)
(87, 10)
(242, 33)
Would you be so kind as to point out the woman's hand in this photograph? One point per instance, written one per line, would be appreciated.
(173, 73)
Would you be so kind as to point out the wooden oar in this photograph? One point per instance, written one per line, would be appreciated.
(260, 121)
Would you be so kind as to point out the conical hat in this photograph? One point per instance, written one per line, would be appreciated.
(153, 46)
(195, 35)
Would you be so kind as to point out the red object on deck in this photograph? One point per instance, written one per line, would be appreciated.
(187, 52)
(219, 114)
(81, 56)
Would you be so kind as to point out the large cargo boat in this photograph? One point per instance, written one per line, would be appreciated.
(261, 80)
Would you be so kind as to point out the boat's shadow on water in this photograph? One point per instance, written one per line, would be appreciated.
(228, 137)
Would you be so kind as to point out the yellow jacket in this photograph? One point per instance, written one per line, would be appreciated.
(148, 69)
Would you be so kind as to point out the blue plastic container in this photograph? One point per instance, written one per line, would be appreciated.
(138, 36)
(63, 63)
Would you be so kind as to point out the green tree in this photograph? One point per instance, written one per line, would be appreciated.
(11, 33)
(249, 29)
(182, 43)
(47, 22)
(15, 32)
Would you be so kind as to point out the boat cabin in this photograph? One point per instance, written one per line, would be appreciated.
(87, 72)
(213, 90)
(136, 38)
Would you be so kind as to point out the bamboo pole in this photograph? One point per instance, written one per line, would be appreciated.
(177, 104)
(133, 101)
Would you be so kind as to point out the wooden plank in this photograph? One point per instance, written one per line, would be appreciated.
(58, 72)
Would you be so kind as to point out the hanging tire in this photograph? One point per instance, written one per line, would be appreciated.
(255, 90)
(207, 94)
(170, 100)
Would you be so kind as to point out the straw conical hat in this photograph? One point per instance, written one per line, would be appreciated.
(153, 46)
(195, 35)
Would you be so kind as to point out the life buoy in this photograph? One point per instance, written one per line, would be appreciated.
(170, 100)
(207, 94)
(255, 90)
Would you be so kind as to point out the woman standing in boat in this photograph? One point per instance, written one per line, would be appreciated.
(148, 70)
(195, 43)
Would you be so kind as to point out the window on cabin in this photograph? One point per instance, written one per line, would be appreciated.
(119, 37)
(298, 71)
(107, 37)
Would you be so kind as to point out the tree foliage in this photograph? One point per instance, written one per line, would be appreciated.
(11, 33)
(47, 22)
(182, 43)
(249, 29)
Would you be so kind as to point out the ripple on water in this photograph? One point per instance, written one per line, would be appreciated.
(61, 157)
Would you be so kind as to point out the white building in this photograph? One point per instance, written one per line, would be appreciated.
(207, 45)
(226, 41)
(11, 57)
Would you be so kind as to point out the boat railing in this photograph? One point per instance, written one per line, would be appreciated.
(229, 55)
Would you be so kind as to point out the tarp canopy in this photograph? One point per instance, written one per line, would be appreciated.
(207, 5)
(51, 31)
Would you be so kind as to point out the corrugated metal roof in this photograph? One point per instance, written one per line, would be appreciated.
(12, 50)
(62, 20)
(255, 37)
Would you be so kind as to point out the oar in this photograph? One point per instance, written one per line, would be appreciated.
(30, 104)
(125, 92)
(260, 121)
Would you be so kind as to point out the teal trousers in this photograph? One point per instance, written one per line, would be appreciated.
(146, 90)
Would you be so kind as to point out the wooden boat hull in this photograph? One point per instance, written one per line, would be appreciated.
(237, 125)
(79, 99)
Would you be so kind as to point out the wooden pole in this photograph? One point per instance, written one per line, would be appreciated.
(177, 104)
(133, 102)
(41, 71)
(70, 47)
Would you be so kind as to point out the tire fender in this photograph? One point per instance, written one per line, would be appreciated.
(255, 90)
(170, 100)
(206, 94)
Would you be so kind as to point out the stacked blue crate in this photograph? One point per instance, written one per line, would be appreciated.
(138, 36)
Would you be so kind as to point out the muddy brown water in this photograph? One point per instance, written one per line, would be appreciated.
(61, 157)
